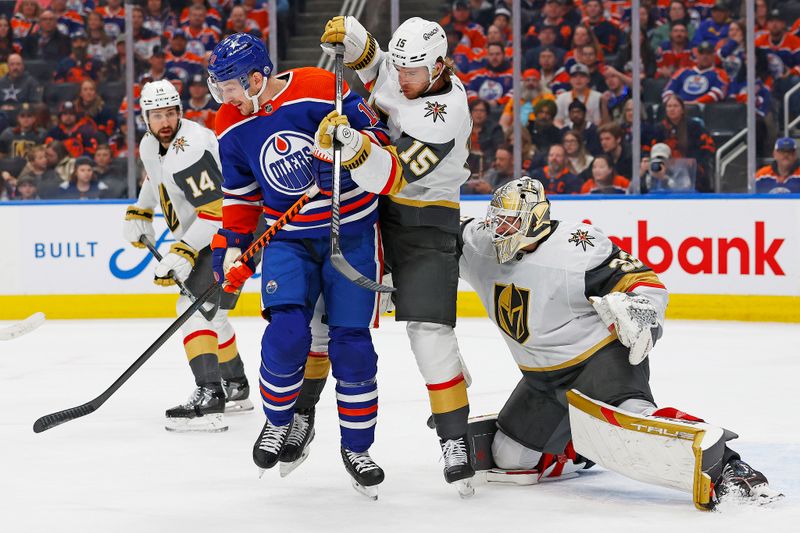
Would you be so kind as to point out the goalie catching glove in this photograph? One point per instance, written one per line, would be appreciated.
(138, 223)
(226, 248)
(176, 265)
(360, 48)
(634, 317)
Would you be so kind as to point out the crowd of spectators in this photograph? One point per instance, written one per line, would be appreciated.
(63, 122)
(63, 108)
(575, 100)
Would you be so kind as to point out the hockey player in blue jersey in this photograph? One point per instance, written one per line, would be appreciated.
(266, 127)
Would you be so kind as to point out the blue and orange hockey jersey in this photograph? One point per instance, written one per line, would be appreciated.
(266, 158)
(697, 86)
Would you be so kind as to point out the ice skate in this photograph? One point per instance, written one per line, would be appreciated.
(269, 445)
(298, 444)
(202, 412)
(740, 481)
(458, 470)
(237, 391)
(365, 474)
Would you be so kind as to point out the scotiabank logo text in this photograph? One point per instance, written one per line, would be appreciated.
(751, 254)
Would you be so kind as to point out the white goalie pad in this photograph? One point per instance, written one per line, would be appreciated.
(660, 451)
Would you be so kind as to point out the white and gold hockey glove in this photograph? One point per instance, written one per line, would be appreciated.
(634, 317)
(355, 145)
(360, 47)
(138, 223)
(176, 265)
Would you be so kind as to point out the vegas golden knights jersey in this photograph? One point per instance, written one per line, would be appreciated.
(540, 300)
(429, 149)
(186, 181)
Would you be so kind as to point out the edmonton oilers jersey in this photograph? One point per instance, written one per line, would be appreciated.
(266, 158)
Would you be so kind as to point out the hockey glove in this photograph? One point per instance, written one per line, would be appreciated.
(226, 248)
(360, 47)
(138, 223)
(176, 265)
(635, 319)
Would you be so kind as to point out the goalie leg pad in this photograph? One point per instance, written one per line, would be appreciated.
(679, 454)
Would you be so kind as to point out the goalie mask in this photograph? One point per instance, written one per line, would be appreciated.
(518, 216)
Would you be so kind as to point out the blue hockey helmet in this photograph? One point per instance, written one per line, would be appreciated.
(235, 58)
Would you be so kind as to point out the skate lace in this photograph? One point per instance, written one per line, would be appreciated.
(272, 438)
(199, 396)
(361, 461)
(299, 430)
(454, 452)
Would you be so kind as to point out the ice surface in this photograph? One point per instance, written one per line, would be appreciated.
(117, 470)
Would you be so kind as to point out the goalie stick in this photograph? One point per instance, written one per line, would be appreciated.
(207, 312)
(54, 419)
(337, 257)
(23, 327)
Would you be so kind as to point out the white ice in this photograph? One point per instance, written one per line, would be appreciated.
(117, 470)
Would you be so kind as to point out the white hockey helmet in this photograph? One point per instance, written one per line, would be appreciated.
(518, 215)
(158, 95)
(418, 43)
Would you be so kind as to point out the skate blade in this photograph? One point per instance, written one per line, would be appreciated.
(213, 423)
(238, 406)
(369, 492)
(765, 495)
(465, 488)
(508, 477)
(288, 468)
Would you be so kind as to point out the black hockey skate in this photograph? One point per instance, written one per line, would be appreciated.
(457, 466)
(365, 473)
(202, 411)
(269, 445)
(298, 443)
(740, 481)
(237, 392)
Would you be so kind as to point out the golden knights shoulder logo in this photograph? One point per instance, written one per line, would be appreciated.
(170, 216)
(180, 144)
(511, 305)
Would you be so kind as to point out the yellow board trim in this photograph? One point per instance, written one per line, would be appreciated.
(83, 306)
(701, 485)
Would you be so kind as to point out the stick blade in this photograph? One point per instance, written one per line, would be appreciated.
(21, 328)
(347, 270)
(55, 419)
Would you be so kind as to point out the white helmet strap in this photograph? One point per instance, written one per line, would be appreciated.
(254, 99)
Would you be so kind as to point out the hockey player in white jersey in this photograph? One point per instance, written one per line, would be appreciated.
(181, 159)
(414, 91)
(580, 317)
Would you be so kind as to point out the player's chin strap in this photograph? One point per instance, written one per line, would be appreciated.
(256, 97)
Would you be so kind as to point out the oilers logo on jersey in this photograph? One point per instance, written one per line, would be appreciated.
(695, 85)
(286, 161)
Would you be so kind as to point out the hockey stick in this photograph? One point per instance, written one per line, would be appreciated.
(54, 419)
(21, 328)
(337, 257)
(209, 313)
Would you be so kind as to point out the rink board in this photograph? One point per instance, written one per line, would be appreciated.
(727, 258)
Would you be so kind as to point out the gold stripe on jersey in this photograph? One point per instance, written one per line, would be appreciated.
(424, 203)
(200, 345)
(449, 399)
(211, 209)
(367, 56)
(397, 180)
(363, 153)
(170, 214)
(318, 366)
(629, 280)
(575, 360)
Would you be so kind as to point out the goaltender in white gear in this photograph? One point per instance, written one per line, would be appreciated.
(181, 160)
(413, 89)
(579, 316)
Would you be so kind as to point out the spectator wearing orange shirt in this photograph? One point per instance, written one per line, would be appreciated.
(239, 23)
(461, 19)
(78, 135)
(604, 179)
(200, 107)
